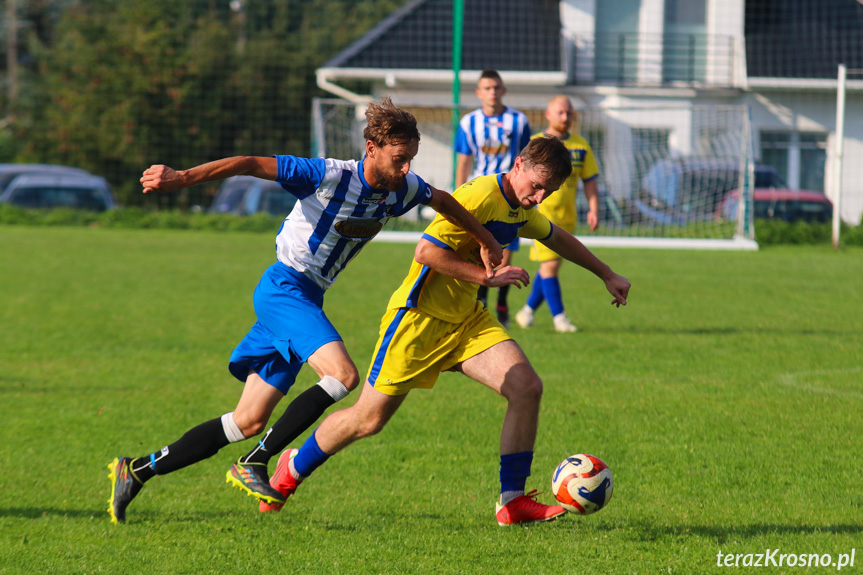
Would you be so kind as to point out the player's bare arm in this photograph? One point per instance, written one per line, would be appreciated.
(464, 163)
(591, 192)
(160, 178)
(449, 263)
(573, 250)
(490, 250)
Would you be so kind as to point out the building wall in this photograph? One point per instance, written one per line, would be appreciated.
(814, 112)
(807, 110)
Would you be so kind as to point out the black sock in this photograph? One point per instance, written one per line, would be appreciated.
(482, 295)
(197, 444)
(303, 411)
(501, 296)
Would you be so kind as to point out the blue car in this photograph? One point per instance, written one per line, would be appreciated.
(247, 195)
(79, 192)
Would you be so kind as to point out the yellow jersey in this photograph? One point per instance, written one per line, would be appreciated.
(454, 300)
(559, 207)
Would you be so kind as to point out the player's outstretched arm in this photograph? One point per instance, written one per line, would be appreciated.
(449, 263)
(159, 178)
(570, 248)
(490, 250)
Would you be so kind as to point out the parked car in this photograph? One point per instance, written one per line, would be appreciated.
(246, 195)
(681, 190)
(85, 192)
(781, 203)
(9, 172)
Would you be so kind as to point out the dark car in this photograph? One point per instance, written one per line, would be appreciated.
(677, 191)
(780, 203)
(246, 195)
(9, 172)
(85, 192)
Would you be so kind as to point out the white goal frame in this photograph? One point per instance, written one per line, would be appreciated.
(719, 135)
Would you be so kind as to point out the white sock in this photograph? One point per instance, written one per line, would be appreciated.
(293, 471)
(508, 496)
(231, 429)
(334, 388)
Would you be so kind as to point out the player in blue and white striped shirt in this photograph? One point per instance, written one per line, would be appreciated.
(342, 206)
(488, 141)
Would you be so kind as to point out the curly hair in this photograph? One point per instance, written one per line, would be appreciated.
(550, 156)
(389, 124)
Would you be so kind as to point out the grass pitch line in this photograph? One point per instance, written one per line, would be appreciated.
(791, 380)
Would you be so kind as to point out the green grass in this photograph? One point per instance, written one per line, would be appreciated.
(726, 399)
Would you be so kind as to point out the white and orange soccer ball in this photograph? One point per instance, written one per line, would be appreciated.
(582, 484)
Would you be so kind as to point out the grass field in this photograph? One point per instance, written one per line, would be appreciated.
(726, 398)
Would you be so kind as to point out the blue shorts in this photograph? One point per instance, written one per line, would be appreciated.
(513, 245)
(291, 326)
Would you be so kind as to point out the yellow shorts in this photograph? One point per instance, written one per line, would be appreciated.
(414, 347)
(540, 253)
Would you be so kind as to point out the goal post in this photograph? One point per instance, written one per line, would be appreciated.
(676, 177)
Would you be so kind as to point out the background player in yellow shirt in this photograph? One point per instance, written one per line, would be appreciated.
(434, 323)
(488, 141)
(560, 210)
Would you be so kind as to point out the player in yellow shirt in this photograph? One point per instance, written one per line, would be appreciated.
(434, 323)
(560, 210)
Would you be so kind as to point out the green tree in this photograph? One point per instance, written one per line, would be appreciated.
(120, 86)
(128, 84)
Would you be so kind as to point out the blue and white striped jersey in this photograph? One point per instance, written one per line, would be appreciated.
(337, 213)
(493, 141)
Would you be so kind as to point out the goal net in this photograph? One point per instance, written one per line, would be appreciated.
(669, 177)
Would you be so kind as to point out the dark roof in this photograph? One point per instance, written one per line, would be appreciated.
(802, 38)
(500, 35)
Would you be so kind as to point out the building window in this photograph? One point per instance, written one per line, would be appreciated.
(799, 157)
(685, 41)
(617, 41)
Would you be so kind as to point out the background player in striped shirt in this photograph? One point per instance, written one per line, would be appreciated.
(341, 206)
(560, 209)
(487, 142)
(434, 323)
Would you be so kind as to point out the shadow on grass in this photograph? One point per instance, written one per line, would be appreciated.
(44, 512)
(197, 517)
(147, 516)
(730, 331)
(724, 533)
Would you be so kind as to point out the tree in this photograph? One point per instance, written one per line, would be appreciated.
(124, 85)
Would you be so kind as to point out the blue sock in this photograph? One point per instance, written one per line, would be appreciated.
(536, 298)
(551, 290)
(514, 471)
(309, 457)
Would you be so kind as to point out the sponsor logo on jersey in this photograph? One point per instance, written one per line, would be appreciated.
(495, 149)
(358, 229)
(373, 201)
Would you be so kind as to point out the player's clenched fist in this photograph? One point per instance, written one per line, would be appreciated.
(509, 275)
(159, 178)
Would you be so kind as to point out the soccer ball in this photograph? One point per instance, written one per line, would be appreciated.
(582, 484)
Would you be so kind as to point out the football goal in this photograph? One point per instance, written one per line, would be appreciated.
(677, 177)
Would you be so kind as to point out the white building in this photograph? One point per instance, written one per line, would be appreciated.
(777, 57)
